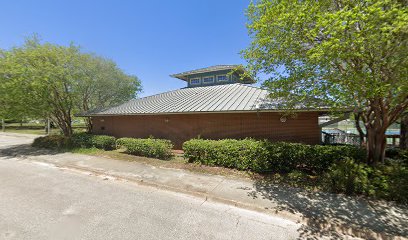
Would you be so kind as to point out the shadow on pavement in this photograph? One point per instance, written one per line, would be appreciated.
(325, 210)
(12, 151)
(322, 211)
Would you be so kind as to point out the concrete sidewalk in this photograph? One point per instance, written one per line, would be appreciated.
(323, 211)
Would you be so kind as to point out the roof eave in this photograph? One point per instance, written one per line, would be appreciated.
(181, 77)
(184, 75)
(320, 110)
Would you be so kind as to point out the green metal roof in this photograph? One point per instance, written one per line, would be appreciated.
(234, 97)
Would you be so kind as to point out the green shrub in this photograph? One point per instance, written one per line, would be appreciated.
(403, 155)
(156, 148)
(398, 184)
(86, 140)
(298, 179)
(383, 181)
(392, 153)
(319, 158)
(348, 177)
(397, 154)
(396, 175)
(103, 142)
(379, 184)
(53, 142)
(334, 168)
(244, 154)
(82, 140)
(285, 157)
(262, 156)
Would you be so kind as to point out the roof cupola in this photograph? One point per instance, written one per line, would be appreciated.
(214, 75)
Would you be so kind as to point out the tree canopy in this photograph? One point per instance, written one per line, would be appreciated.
(47, 80)
(345, 54)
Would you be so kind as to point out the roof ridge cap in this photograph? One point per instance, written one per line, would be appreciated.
(248, 85)
(134, 99)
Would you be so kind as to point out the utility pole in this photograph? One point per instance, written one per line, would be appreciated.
(48, 126)
(3, 126)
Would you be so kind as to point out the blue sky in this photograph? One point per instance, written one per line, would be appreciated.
(150, 39)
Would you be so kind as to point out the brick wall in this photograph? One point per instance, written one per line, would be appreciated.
(182, 127)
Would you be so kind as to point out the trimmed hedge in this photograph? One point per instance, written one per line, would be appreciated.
(262, 155)
(150, 147)
(53, 142)
(83, 140)
(156, 148)
(103, 142)
(244, 154)
(86, 140)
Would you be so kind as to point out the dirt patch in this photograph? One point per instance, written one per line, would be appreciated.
(177, 162)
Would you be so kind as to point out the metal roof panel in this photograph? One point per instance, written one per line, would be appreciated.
(215, 98)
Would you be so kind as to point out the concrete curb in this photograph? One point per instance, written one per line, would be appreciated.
(311, 222)
(211, 194)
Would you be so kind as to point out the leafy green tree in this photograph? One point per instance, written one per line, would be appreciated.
(46, 80)
(345, 54)
(15, 100)
(103, 84)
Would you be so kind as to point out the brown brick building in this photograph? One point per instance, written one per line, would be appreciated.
(215, 105)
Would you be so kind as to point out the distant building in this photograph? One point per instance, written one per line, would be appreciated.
(216, 104)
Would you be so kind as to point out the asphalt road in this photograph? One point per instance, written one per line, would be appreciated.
(40, 201)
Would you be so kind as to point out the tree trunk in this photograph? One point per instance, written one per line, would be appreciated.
(63, 120)
(376, 143)
(68, 126)
(362, 135)
(66, 129)
(88, 122)
(404, 132)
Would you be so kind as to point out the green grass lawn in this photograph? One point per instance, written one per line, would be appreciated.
(29, 131)
(37, 129)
